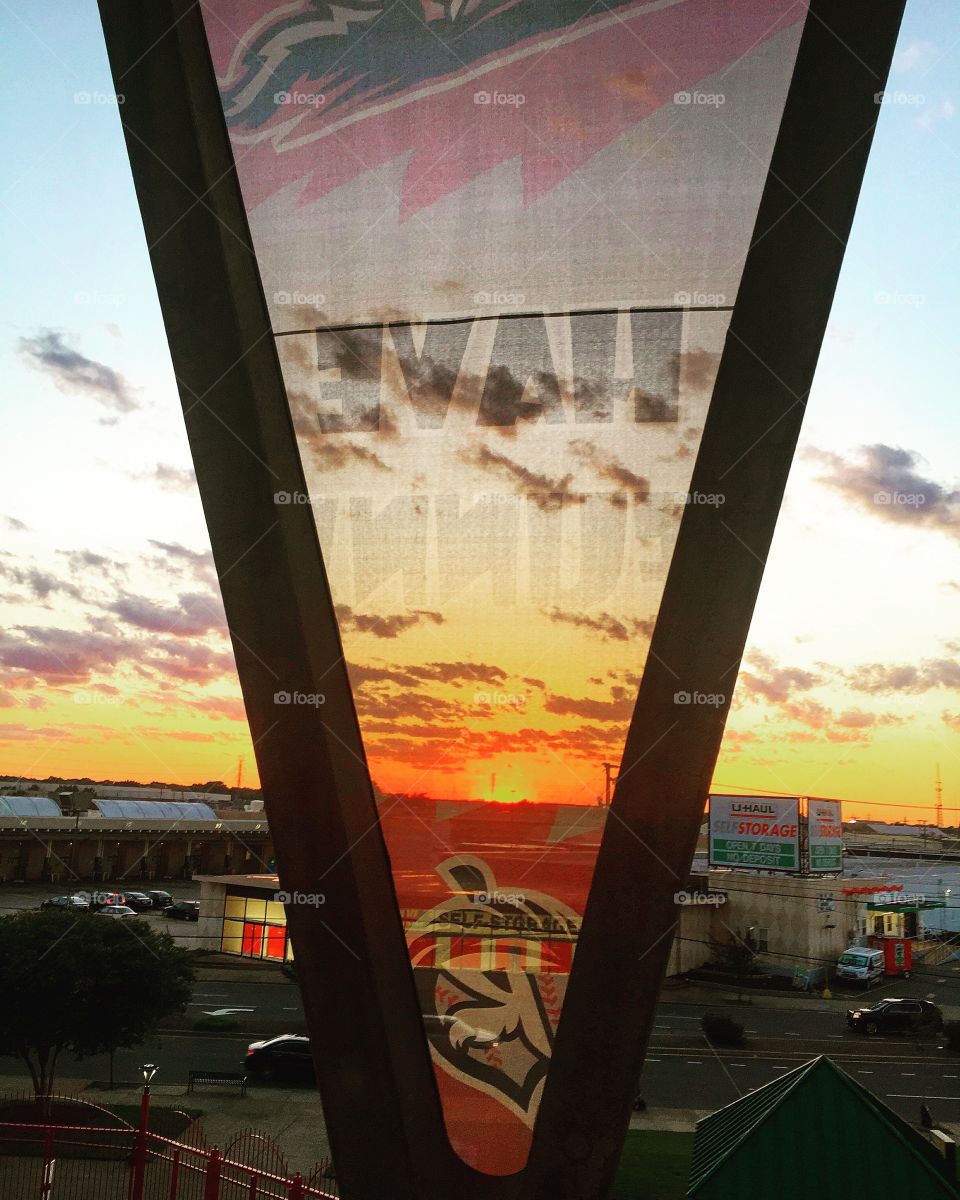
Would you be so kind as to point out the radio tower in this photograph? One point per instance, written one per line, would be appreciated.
(608, 780)
(938, 791)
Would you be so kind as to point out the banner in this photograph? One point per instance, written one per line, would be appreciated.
(824, 835)
(755, 831)
(500, 242)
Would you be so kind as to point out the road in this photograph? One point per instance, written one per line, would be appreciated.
(681, 1070)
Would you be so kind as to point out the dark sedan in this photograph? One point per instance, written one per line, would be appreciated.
(896, 1016)
(183, 910)
(284, 1059)
(160, 899)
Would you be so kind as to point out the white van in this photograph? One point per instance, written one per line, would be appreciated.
(860, 964)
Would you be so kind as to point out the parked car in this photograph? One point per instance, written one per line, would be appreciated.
(160, 899)
(139, 901)
(116, 911)
(459, 1032)
(860, 964)
(74, 903)
(896, 1016)
(100, 900)
(183, 910)
(285, 1058)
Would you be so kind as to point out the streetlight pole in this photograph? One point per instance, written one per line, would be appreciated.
(140, 1144)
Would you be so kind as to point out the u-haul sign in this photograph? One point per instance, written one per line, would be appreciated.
(755, 831)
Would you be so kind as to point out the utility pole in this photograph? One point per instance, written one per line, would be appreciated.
(609, 779)
(938, 791)
(240, 772)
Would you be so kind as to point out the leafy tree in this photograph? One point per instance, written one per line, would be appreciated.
(85, 984)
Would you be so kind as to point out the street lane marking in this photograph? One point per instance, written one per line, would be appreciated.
(793, 1035)
(738, 1064)
(652, 1060)
(921, 1096)
(694, 1062)
(864, 1072)
(908, 1074)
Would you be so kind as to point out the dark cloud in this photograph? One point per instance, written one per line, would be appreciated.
(610, 628)
(334, 455)
(71, 371)
(40, 584)
(885, 482)
(386, 625)
(82, 561)
(910, 678)
(618, 709)
(59, 656)
(610, 469)
(196, 614)
(548, 494)
(177, 560)
(774, 683)
(699, 368)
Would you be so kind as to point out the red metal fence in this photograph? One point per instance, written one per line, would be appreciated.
(41, 1161)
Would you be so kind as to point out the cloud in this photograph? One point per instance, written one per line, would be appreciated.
(548, 494)
(610, 469)
(197, 614)
(774, 683)
(610, 628)
(85, 560)
(172, 479)
(15, 525)
(385, 625)
(334, 455)
(884, 481)
(910, 678)
(918, 53)
(175, 559)
(618, 709)
(71, 371)
(699, 368)
(41, 584)
(59, 656)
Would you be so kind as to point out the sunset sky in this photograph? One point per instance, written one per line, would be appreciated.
(115, 661)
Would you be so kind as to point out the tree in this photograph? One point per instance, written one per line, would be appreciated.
(85, 984)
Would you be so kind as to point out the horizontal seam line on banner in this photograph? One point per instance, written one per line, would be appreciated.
(524, 316)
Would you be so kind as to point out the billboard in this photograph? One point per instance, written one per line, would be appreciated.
(825, 835)
(755, 831)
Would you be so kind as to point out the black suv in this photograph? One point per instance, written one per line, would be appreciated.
(160, 899)
(896, 1016)
(286, 1058)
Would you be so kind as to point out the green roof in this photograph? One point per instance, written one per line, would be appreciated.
(812, 1132)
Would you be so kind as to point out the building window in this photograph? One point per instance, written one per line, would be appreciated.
(254, 928)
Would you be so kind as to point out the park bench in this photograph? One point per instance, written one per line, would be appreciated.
(223, 1078)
